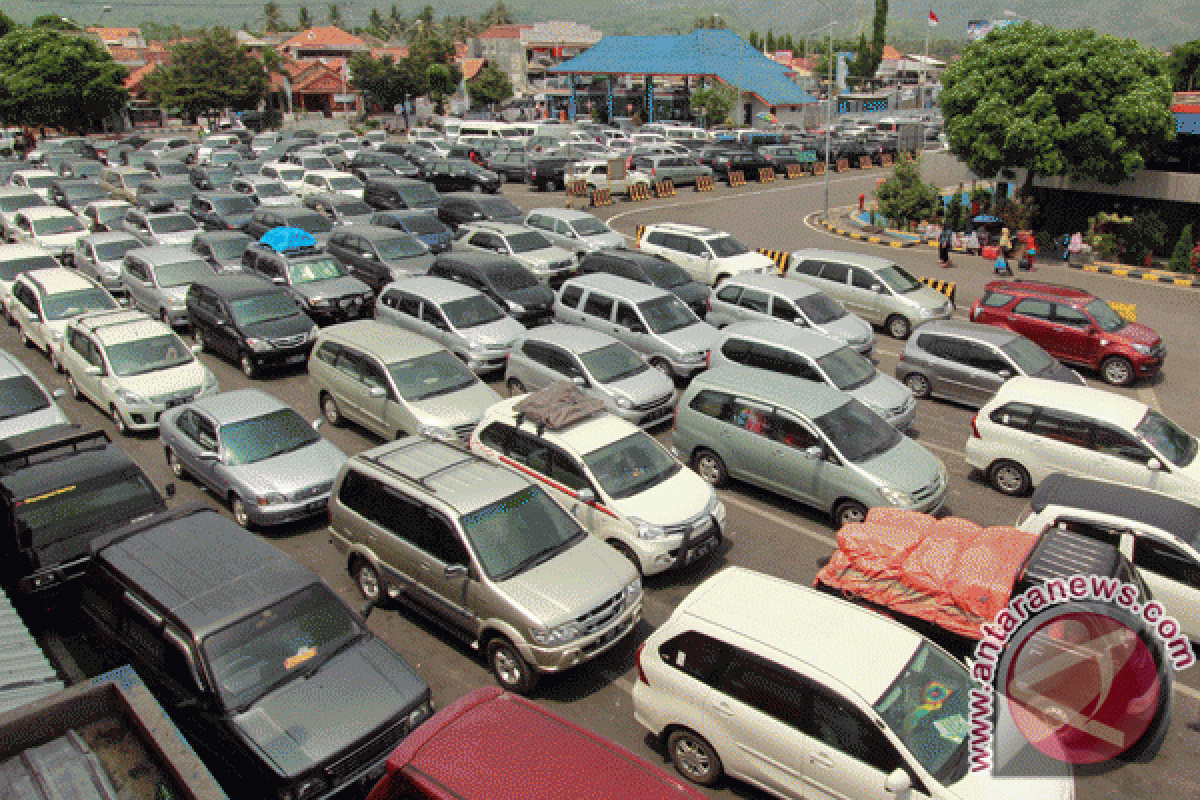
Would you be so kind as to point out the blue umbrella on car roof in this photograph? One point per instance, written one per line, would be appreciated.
(282, 239)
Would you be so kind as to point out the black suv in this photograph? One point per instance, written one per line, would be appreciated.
(723, 160)
(266, 218)
(394, 163)
(222, 211)
(547, 173)
(250, 321)
(322, 286)
(275, 680)
(377, 255)
(457, 175)
(502, 278)
(59, 488)
(458, 207)
(421, 224)
(386, 194)
(652, 269)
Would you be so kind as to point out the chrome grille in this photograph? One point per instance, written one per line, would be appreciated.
(340, 771)
(313, 491)
(929, 491)
(666, 398)
(464, 431)
(698, 524)
(600, 616)
(290, 341)
(170, 397)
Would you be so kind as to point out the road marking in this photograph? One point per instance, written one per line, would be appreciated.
(1184, 689)
(618, 679)
(943, 448)
(731, 499)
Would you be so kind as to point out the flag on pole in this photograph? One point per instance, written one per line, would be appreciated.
(933, 20)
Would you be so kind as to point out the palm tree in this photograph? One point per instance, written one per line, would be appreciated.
(335, 15)
(304, 19)
(273, 19)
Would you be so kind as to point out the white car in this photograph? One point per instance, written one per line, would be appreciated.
(290, 175)
(12, 200)
(25, 405)
(45, 300)
(132, 367)
(619, 482)
(52, 228)
(1033, 427)
(331, 180)
(805, 695)
(594, 173)
(210, 144)
(708, 255)
(38, 180)
(16, 259)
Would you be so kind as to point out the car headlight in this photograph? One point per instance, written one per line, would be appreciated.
(258, 345)
(270, 499)
(718, 512)
(624, 402)
(477, 345)
(516, 308)
(310, 787)
(321, 302)
(895, 497)
(556, 636)
(691, 358)
(437, 432)
(647, 531)
(419, 715)
(130, 398)
(632, 591)
(928, 312)
(1141, 348)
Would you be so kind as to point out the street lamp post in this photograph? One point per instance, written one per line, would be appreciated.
(828, 113)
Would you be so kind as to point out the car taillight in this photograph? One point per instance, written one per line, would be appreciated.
(974, 313)
(653, 171)
(975, 427)
(708, 303)
(629, 163)
(638, 659)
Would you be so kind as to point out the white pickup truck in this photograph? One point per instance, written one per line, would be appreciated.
(611, 175)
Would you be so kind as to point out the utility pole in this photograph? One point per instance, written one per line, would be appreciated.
(828, 114)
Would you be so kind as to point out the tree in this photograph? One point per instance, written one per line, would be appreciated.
(55, 22)
(384, 82)
(716, 102)
(712, 21)
(752, 38)
(787, 44)
(272, 18)
(1183, 65)
(1144, 235)
(1180, 257)
(496, 15)
(304, 19)
(954, 210)
(903, 198)
(770, 43)
(335, 15)
(489, 87)
(1056, 102)
(862, 64)
(208, 74)
(6, 24)
(58, 79)
(878, 36)
(375, 21)
(443, 81)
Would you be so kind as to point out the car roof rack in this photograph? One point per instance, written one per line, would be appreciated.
(556, 407)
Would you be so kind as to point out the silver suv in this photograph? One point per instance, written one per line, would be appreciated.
(576, 231)
(485, 551)
(548, 262)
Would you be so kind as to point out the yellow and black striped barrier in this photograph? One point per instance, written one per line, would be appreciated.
(704, 183)
(864, 162)
(664, 188)
(766, 174)
(794, 171)
(577, 188)
(818, 168)
(601, 197)
(737, 177)
(947, 288)
(639, 232)
(885, 160)
(780, 257)
(639, 191)
(1126, 311)
(843, 164)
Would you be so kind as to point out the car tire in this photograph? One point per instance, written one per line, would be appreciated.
(175, 465)
(329, 408)
(847, 512)
(898, 327)
(366, 578)
(73, 388)
(515, 387)
(918, 384)
(118, 421)
(249, 368)
(709, 466)
(1117, 370)
(694, 758)
(551, 185)
(1009, 477)
(509, 669)
(663, 366)
(240, 513)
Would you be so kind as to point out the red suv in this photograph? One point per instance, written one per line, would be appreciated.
(492, 745)
(1073, 326)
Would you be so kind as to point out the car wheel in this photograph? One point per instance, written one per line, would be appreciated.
(73, 388)
(329, 408)
(118, 421)
(1117, 370)
(694, 758)
(367, 578)
(849, 511)
(663, 366)
(551, 185)
(249, 369)
(508, 667)
(898, 327)
(515, 387)
(1009, 477)
(710, 467)
(175, 465)
(918, 384)
(240, 515)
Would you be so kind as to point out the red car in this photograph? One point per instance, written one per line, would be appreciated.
(1074, 326)
(492, 745)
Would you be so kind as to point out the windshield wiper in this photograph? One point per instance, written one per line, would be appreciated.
(545, 555)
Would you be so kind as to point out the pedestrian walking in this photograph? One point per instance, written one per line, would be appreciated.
(944, 243)
(1075, 247)
(862, 201)
(1006, 245)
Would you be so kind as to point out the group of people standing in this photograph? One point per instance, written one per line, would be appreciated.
(973, 243)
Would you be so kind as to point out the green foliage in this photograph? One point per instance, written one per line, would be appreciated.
(304, 19)
(716, 102)
(57, 79)
(496, 15)
(712, 21)
(1180, 257)
(770, 42)
(1144, 236)
(489, 87)
(273, 18)
(1056, 102)
(878, 35)
(903, 198)
(862, 64)
(954, 211)
(6, 24)
(55, 22)
(207, 74)
(753, 39)
(335, 15)
(442, 79)
(1183, 65)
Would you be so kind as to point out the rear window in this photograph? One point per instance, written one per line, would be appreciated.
(19, 395)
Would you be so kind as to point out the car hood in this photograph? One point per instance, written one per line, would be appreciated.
(700, 336)
(908, 466)
(925, 297)
(289, 472)
(417, 265)
(684, 496)
(57, 242)
(602, 241)
(749, 262)
(277, 201)
(237, 220)
(692, 293)
(500, 332)
(850, 329)
(552, 593)
(1136, 333)
(183, 379)
(280, 328)
(456, 409)
(332, 288)
(309, 720)
(180, 239)
(109, 267)
(34, 421)
(882, 392)
(548, 255)
(647, 386)
(174, 295)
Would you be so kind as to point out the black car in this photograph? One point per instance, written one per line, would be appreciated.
(458, 207)
(394, 163)
(365, 174)
(59, 488)
(387, 194)
(420, 223)
(259, 121)
(723, 160)
(222, 211)
(265, 218)
(456, 175)
(250, 321)
(210, 177)
(165, 167)
(341, 209)
(73, 194)
(177, 191)
(221, 249)
(377, 255)
(251, 653)
(548, 173)
(781, 155)
(511, 165)
(324, 288)
(649, 268)
(502, 278)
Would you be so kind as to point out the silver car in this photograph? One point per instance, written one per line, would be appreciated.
(25, 405)
(462, 319)
(253, 451)
(759, 298)
(549, 263)
(967, 363)
(267, 191)
(652, 321)
(575, 231)
(600, 365)
(161, 228)
(395, 384)
(12, 200)
(782, 348)
(99, 255)
(157, 280)
(805, 441)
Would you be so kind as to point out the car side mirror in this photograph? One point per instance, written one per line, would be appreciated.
(1154, 465)
(898, 781)
(369, 256)
(1005, 374)
(277, 279)
(316, 424)
(586, 495)
(93, 370)
(454, 571)
(815, 452)
(377, 391)
(58, 394)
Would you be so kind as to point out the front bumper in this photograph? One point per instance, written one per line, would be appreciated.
(679, 550)
(279, 513)
(557, 659)
(486, 360)
(341, 310)
(686, 369)
(282, 357)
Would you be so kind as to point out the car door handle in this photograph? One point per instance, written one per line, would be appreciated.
(821, 760)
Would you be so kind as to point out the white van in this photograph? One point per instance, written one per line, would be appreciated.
(484, 128)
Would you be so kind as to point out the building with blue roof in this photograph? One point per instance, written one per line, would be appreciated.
(704, 56)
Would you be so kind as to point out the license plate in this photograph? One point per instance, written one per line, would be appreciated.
(178, 401)
(296, 359)
(701, 550)
(348, 303)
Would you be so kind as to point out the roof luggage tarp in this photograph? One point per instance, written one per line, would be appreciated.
(557, 406)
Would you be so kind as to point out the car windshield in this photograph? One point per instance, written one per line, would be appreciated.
(148, 355)
(52, 225)
(345, 182)
(1104, 316)
(399, 247)
(263, 308)
(613, 362)
(318, 269)
(898, 280)
(234, 205)
(727, 247)
(173, 223)
(39, 181)
(429, 376)
(172, 168)
(498, 207)
(16, 202)
(527, 242)
(115, 251)
(279, 644)
(70, 304)
(313, 223)
(666, 275)
(352, 208)
(249, 441)
(511, 278)
(296, 174)
(631, 465)
(182, 273)
(229, 249)
(927, 708)
(132, 180)
(10, 269)
(667, 313)
(590, 226)
(519, 532)
(422, 223)
(1174, 443)
(82, 195)
(846, 369)
(106, 214)
(19, 395)
(175, 191)
(271, 190)
(858, 433)
(819, 309)
(224, 157)
(314, 163)
(1031, 359)
(471, 312)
